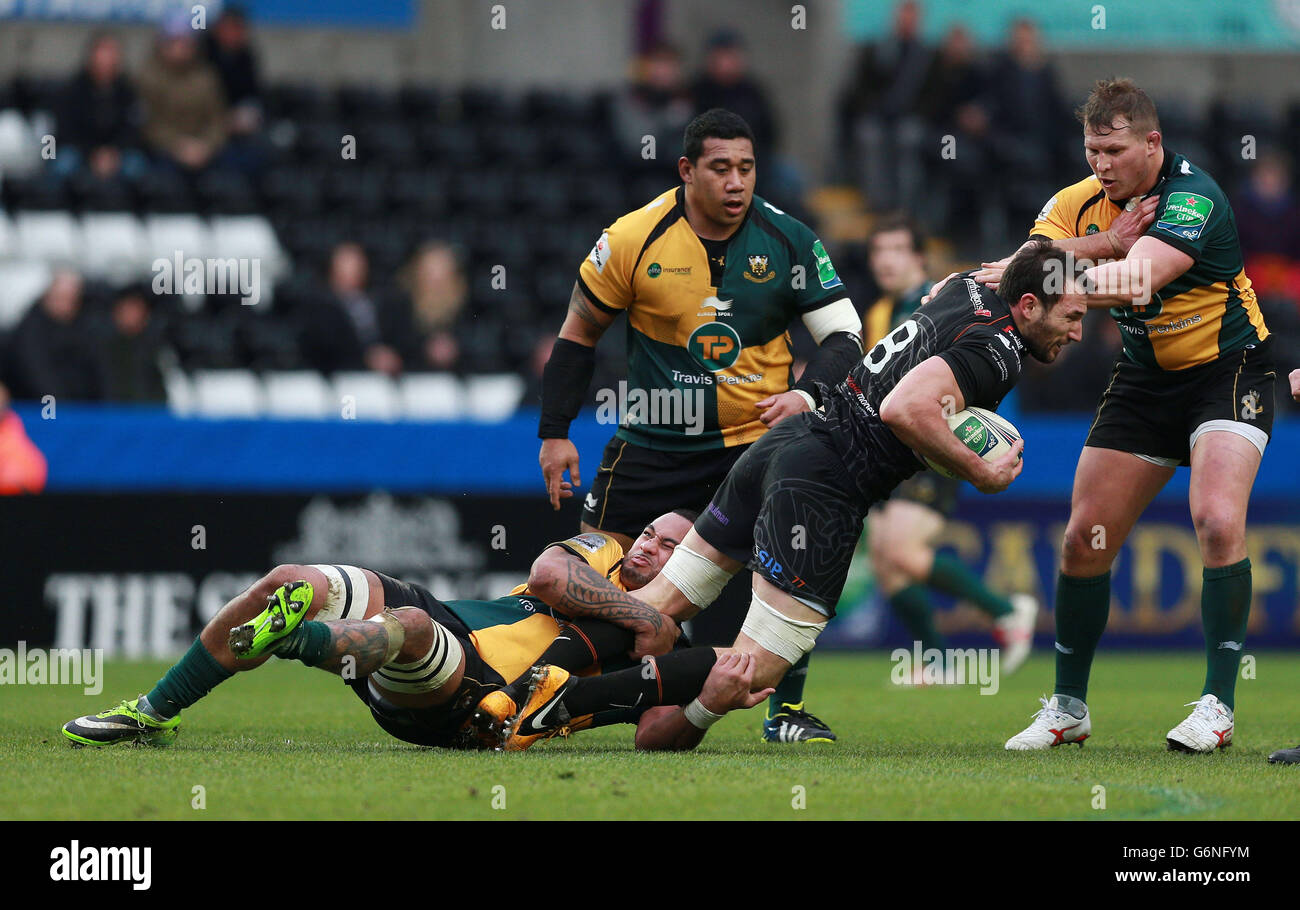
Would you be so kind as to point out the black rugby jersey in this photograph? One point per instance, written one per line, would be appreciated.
(967, 325)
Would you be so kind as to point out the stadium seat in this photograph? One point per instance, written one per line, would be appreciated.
(47, 236)
(227, 193)
(493, 398)
(20, 147)
(249, 236)
(113, 246)
(432, 396)
(8, 250)
(366, 396)
(92, 194)
(21, 283)
(165, 235)
(164, 193)
(227, 393)
(44, 192)
(298, 393)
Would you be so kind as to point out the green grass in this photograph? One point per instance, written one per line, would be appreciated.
(286, 742)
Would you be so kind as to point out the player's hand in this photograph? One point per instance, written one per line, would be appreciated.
(1129, 226)
(990, 273)
(728, 684)
(656, 640)
(556, 457)
(999, 474)
(1295, 384)
(937, 287)
(776, 408)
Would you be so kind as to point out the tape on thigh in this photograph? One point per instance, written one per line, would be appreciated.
(349, 593)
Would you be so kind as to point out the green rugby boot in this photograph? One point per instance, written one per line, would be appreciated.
(124, 724)
(285, 609)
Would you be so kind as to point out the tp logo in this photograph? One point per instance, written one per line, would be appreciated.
(715, 345)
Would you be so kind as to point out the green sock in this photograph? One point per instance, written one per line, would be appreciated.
(789, 691)
(912, 606)
(308, 643)
(1225, 607)
(1082, 608)
(190, 678)
(952, 576)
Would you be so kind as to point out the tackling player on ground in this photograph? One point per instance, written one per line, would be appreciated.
(422, 665)
(902, 530)
(710, 277)
(1193, 386)
(794, 503)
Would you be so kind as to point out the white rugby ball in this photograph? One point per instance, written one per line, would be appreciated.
(983, 432)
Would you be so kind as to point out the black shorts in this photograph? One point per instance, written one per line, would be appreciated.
(442, 725)
(789, 509)
(1156, 413)
(930, 489)
(636, 485)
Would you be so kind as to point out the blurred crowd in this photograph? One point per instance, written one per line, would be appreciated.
(451, 242)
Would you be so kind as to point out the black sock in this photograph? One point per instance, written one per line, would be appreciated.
(585, 642)
(672, 679)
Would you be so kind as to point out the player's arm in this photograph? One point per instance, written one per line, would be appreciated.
(915, 411)
(570, 584)
(837, 329)
(1150, 265)
(681, 728)
(565, 380)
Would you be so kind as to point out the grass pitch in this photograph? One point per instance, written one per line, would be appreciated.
(285, 742)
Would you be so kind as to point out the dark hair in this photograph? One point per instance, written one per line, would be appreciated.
(1041, 269)
(717, 123)
(1115, 98)
(689, 514)
(898, 221)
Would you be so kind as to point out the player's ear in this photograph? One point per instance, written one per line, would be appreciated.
(1153, 140)
(684, 169)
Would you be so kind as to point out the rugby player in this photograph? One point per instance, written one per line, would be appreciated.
(710, 277)
(1193, 386)
(1289, 756)
(422, 665)
(902, 530)
(794, 503)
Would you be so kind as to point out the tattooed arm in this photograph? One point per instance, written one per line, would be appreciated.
(573, 587)
(357, 648)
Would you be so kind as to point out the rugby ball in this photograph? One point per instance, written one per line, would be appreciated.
(983, 432)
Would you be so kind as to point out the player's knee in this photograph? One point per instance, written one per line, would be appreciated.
(424, 664)
(1086, 551)
(418, 629)
(1219, 532)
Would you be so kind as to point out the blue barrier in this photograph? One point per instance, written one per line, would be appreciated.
(98, 449)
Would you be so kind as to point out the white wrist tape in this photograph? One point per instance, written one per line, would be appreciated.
(837, 316)
(700, 716)
(812, 405)
(699, 578)
(789, 639)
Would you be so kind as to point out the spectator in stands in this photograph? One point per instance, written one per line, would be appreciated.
(878, 113)
(97, 114)
(1267, 218)
(22, 466)
(132, 348)
(438, 292)
(184, 108)
(51, 352)
(231, 53)
(952, 104)
(655, 104)
(726, 82)
(1035, 137)
(352, 328)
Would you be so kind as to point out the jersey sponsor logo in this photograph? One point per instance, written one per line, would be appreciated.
(758, 270)
(1185, 214)
(719, 307)
(1091, 229)
(715, 345)
(599, 254)
(1047, 209)
(589, 542)
(825, 270)
(654, 270)
(1176, 326)
(976, 301)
